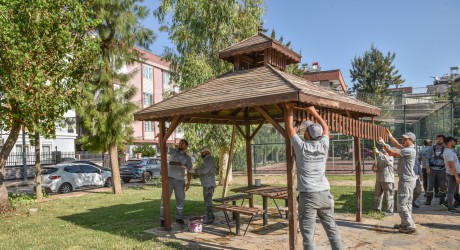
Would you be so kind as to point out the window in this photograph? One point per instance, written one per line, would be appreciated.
(147, 72)
(148, 99)
(72, 169)
(148, 126)
(88, 169)
(166, 82)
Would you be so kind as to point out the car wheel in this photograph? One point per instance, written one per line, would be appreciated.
(108, 182)
(147, 177)
(126, 180)
(65, 188)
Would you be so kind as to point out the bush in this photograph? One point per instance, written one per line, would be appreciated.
(20, 199)
(146, 150)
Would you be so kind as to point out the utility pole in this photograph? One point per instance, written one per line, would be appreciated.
(24, 158)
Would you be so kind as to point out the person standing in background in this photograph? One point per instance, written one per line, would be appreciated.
(208, 182)
(423, 160)
(384, 182)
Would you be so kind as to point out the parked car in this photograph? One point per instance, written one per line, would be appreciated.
(67, 177)
(145, 169)
(92, 164)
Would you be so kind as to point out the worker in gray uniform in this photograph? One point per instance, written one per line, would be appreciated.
(418, 184)
(406, 184)
(423, 160)
(315, 198)
(179, 165)
(437, 171)
(385, 181)
(208, 182)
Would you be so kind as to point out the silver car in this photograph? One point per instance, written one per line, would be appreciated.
(67, 177)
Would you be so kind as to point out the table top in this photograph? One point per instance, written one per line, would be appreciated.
(268, 191)
(232, 198)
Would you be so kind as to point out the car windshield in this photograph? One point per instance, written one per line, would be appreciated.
(48, 170)
(133, 162)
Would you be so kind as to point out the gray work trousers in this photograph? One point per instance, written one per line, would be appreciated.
(452, 189)
(438, 176)
(207, 195)
(319, 204)
(417, 189)
(179, 192)
(405, 192)
(381, 189)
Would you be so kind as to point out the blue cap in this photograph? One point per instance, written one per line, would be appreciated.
(314, 129)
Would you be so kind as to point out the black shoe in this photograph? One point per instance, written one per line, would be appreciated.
(428, 201)
(407, 230)
(453, 211)
(456, 203)
(436, 196)
(180, 221)
(210, 221)
(162, 223)
(398, 226)
(445, 204)
(415, 205)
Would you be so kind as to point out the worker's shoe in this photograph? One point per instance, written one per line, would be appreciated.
(453, 211)
(180, 221)
(209, 220)
(388, 214)
(415, 205)
(162, 223)
(428, 200)
(407, 230)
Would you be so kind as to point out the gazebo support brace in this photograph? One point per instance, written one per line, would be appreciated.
(164, 175)
(229, 163)
(292, 201)
(359, 190)
(249, 159)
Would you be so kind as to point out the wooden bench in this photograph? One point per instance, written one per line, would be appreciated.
(237, 210)
(233, 199)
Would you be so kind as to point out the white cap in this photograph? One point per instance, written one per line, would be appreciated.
(205, 149)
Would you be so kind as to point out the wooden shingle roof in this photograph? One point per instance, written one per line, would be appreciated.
(262, 86)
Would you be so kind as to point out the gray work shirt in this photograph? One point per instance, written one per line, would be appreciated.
(436, 158)
(177, 172)
(450, 155)
(424, 156)
(310, 160)
(385, 172)
(406, 164)
(208, 172)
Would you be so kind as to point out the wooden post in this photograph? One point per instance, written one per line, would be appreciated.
(292, 201)
(229, 163)
(359, 191)
(164, 175)
(249, 159)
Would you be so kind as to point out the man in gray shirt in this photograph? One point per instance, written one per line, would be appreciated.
(315, 198)
(407, 178)
(436, 171)
(208, 182)
(385, 181)
(179, 165)
(423, 160)
(453, 173)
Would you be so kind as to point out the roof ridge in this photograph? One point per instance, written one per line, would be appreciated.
(233, 45)
(284, 78)
(279, 43)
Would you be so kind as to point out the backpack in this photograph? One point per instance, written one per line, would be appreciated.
(434, 160)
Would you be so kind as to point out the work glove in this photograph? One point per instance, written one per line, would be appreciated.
(376, 150)
(381, 141)
(388, 133)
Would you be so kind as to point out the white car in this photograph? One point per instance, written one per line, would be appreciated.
(67, 177)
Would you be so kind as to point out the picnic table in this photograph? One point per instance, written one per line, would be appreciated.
(266, 192)
(233, 199)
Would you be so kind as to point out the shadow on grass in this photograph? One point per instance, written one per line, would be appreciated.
(345, 201)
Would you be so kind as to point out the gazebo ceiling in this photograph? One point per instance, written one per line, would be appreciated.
(230, 97)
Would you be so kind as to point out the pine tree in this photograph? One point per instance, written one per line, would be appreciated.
(107, 110)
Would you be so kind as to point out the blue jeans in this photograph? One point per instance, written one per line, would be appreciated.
(319, 204)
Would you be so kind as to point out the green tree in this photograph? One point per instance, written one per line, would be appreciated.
(45, 54)
(373, 72)
(106, 109)
(199, 30)
(146, 150)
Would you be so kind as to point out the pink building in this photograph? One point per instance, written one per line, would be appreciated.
(152, 81)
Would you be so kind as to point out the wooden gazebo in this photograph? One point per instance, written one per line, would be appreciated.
(255, 93)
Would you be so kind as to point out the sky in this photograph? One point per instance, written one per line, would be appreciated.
(424, 34)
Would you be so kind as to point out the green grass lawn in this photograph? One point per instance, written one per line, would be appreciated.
(105, 221)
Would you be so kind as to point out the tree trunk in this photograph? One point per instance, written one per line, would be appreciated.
(4, 153)
(223, 161)
(38, 177)
(116, 180)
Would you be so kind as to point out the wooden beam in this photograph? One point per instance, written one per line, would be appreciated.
(292, 201)
(229, 163)
(215, 117)
(359, 190)
(272, 121)
(235, 113)
(240, 130)
(176, 121)
(164, 177)
(249, 161)
(257, 130)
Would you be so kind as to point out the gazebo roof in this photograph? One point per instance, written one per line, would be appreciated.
(221, 100)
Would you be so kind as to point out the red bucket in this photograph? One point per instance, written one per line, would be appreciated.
(195, 224)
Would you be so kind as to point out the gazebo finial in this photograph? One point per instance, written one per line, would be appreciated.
(261, 28)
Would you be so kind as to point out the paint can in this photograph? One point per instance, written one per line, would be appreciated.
(195, 224)
(258, 182)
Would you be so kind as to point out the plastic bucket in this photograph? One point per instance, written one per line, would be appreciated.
(258, 182)
(195, 224)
